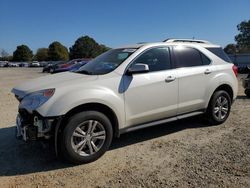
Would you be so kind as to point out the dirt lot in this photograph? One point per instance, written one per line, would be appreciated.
(180, 154)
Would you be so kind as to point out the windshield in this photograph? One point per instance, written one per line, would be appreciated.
(107, 61)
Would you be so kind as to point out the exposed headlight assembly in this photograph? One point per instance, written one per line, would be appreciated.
(36, 99)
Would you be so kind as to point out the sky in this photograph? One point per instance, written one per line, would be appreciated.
(37, 23)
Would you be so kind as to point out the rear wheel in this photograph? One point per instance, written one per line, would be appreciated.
(219, 107)
(86, 137)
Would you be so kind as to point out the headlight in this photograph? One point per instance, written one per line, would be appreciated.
(36, 99)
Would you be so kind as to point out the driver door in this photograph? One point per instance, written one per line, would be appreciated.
(152, 95)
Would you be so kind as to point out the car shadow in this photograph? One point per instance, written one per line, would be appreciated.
(242, 97)
(18, 157)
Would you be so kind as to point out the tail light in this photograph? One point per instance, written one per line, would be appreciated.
(235, 69)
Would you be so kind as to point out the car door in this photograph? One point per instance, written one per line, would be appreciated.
(194, 72)
(152, 95)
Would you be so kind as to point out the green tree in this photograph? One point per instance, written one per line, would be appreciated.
(243, 38)
(86, 47)
(42, 54)
(230, 49)
(57, 52)
(4, 53)
(22, 53)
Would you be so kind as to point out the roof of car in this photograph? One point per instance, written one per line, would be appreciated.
(191, 42)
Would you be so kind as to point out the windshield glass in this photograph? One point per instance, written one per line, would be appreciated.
(107, 61)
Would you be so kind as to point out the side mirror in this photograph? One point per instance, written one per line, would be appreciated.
(138, 68)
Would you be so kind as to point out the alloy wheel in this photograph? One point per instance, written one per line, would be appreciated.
(88, 138)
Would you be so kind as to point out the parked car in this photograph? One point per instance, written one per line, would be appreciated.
(123, 90)
(13, 64)
(35, 64)
(65, 66)
(24, 64)
(246, 83)
(4, 63)
(73, 67)
(51, 66)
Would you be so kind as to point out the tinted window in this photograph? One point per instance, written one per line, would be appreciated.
(188, 57)
(205, 60)
(157, 59)
(220, 53)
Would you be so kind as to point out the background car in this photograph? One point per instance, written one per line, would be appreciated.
(13, 64)
(73, 67)
(35, 64)
(64, 66)
(52, 65)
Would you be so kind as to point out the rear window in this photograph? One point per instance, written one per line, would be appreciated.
(220, 53)
(189, 57)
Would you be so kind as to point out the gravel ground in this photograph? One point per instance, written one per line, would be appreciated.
(185, 153)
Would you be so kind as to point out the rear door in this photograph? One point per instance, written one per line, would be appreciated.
(194, 72)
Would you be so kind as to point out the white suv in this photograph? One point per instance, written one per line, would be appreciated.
(125, 89)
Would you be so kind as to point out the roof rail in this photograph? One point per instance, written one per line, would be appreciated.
(188, 40)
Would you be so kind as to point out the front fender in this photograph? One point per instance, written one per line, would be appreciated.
(61, 104)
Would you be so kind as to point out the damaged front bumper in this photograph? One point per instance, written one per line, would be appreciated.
(32, 126)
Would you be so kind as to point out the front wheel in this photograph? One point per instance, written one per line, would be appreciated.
(219, 108)
(86, 137)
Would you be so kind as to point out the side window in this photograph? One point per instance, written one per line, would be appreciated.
(189, 57)
(205, 60)
(220, 53)
(157, 59)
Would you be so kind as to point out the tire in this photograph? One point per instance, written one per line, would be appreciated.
(218, 108)
(86, 137)
(247, 92)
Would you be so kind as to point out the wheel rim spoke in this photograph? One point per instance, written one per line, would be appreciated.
(79, 130)
(216, 110)
(94, 126)
(99, 135)
(89, 126)
(80, 145)
(224, 110)
(76, 134)
(94, 146)
(219, 114)
(90, 148)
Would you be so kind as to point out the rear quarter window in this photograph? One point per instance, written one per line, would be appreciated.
(220, 53)
(189, 57)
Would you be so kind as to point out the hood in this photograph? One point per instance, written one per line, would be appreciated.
(50, 81)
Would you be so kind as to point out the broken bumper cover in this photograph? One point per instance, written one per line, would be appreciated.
(34, 126)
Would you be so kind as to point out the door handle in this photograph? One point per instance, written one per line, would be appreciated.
(207, 71)
(170, 79)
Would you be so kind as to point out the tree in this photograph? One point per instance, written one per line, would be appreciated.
(230, 49)
(22, 53)
(243, 38)
(86, 47)
(57, 52)
(4, 53)
(42, 54)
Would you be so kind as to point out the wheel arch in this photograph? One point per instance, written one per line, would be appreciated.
(224, 87)
(83, 107)
(96, 107)
(227, 88)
